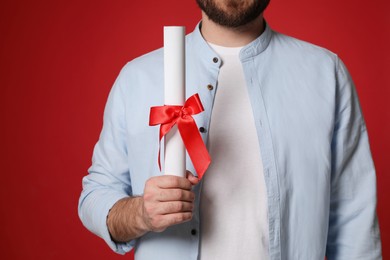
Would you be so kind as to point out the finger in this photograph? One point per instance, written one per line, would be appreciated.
(167, 220)
(171, 207)
(175, 195)
(171, 182)
(193, 179)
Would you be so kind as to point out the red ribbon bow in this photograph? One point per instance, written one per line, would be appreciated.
(167, 116)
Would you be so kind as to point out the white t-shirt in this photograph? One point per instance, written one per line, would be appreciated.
(234, 221)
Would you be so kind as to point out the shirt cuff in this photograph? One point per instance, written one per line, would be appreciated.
(120, 248)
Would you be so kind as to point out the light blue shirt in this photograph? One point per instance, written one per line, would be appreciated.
(318, 169)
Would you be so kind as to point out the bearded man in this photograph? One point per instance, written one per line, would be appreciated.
(292, 175)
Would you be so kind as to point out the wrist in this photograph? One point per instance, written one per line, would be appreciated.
(141, 218)
(125, 219)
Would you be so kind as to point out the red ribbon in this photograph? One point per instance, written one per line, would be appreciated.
(167, 116)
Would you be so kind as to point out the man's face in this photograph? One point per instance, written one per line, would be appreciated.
(232, 13)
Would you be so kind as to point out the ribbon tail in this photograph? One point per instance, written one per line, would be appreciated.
(194, 144)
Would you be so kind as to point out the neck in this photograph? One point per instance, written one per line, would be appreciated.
(231, 37)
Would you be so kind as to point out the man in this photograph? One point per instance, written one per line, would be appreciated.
(291, 176)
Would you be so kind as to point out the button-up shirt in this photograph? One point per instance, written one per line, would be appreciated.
(318, 169)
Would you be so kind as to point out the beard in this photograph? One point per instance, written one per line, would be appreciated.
(232, 13)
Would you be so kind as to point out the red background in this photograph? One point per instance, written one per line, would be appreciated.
(58, 60)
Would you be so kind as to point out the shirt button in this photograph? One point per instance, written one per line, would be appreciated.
(202, 129)
(210, 87)
(215, 59)
(193, 232)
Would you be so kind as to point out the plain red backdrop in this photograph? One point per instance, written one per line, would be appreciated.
(58, 60)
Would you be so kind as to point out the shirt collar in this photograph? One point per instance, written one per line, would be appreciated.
(207, 54)
(201, 48)
(258, 45)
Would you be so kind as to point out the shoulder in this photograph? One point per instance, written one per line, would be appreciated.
(302, 51)
(146, 63)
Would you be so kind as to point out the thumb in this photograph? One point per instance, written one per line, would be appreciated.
(193, 179)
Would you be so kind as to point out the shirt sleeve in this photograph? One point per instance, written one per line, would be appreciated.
(353, 225)
(108, 180)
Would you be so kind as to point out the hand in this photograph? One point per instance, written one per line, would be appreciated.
(168, 200)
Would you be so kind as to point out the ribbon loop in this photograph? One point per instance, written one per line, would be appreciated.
(167, 116)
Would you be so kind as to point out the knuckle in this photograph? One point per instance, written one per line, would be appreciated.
(175, 207)
(179, 218)
(179, 206)
(175, 181)
(182, 217)
(171, 208)
(178, 194)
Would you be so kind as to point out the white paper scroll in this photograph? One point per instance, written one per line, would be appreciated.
(174, 84)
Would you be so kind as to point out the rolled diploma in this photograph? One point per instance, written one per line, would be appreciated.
(174, 94)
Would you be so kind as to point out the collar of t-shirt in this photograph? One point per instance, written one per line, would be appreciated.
(223, 51)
